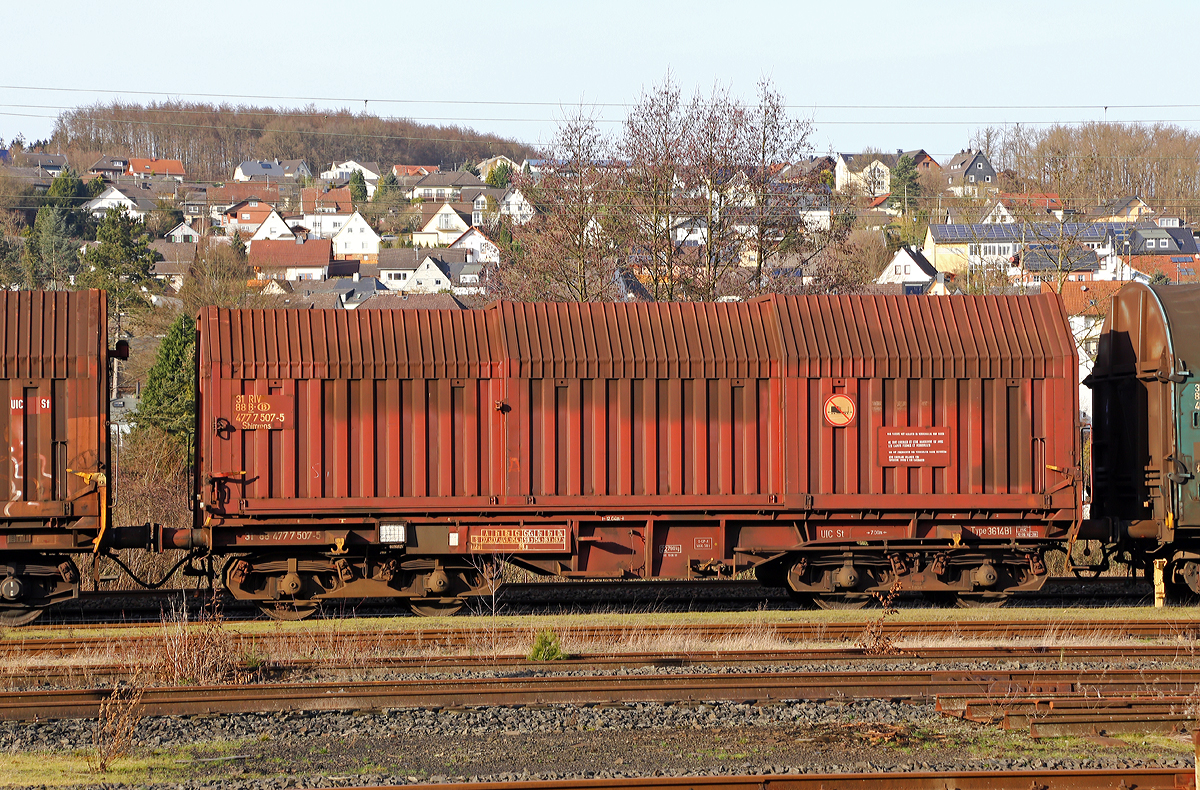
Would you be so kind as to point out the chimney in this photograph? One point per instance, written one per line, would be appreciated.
(899, 151)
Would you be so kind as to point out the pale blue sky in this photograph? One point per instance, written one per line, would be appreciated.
(994, 63)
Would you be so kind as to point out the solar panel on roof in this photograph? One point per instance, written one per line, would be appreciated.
(1181, 259)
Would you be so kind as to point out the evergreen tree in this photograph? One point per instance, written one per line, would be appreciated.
(358, 187)
(119, 264)
(500, 176)
(387, 189)
(95, 187)
(58, 257)
(169, 397)
(905, 186)
(238, 245)
(68, 193)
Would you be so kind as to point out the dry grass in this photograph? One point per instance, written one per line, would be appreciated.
(209, 649)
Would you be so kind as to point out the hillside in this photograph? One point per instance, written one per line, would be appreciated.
(212, 140)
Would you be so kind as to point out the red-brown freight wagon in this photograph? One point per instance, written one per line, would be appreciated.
(53, 379)
(840, 444)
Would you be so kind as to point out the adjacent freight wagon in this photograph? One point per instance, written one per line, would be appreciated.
(839, 445)
(1146, 435)
(53, 374)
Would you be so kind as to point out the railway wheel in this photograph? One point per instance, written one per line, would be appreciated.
(283, 587)
(436, 607)
(15, 616)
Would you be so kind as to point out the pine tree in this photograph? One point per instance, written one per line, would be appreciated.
(358, 187)
(119, 264)
(500, 176)
(169, 397)
(905, 186)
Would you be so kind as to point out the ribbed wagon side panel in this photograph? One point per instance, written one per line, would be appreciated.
(53, 381)
(374, 407)
(989, 380)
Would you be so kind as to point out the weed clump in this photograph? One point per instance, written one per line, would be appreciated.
(546, 647)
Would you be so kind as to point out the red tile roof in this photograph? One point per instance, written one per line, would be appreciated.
(158, 167)
(238, 190)
(1183, 270)
(415, 170)
(1085, 298)
(312, 198)
(285, 253)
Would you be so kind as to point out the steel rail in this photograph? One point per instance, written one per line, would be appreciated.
(1088, 713)
(1140, 778)
(473, 636)
(276, 669)
(750, 688)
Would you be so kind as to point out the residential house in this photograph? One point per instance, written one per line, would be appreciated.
(419, 270)
(50, 164)
(110, 167)
(1032, 207)
(1127, 209)
(416, 301)
(480, 249)
(340, 172)
(326, 211)
(443, 187)
(515, 205)
(183, 233)
(963, 248)
(356, 239)
(911, 269)
(1048, 263)
(287, 259)
(135, 203)
(1146, 252)
(175, 261)
(870, 174)
(420, 171)
(486, 167)
(809, 169)
(969, 171)
(271, 170)
(479, 197)
(441, 227)
(148, 168)
(246, 216)
(273, 227)
(219, 200)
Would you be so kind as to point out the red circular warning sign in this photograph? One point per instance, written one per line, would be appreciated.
(839, 410)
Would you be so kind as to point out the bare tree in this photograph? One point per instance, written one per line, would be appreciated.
(655, 133)
(712, 179)
(775, 214)
(571, 249)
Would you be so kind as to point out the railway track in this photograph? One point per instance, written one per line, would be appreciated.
(917, 686)
(61, 675)
(525, 598)
(479, 636)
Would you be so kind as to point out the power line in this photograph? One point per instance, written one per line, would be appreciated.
(507, 103)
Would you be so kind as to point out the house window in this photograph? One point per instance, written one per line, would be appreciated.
(437, 282)
(907, 269)
(979, 165)
(477, 218)
(245, 216)
(987, 179)
(897, 268)
(972, 179)
(253, 203)
(427, 193)
(189, 239)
